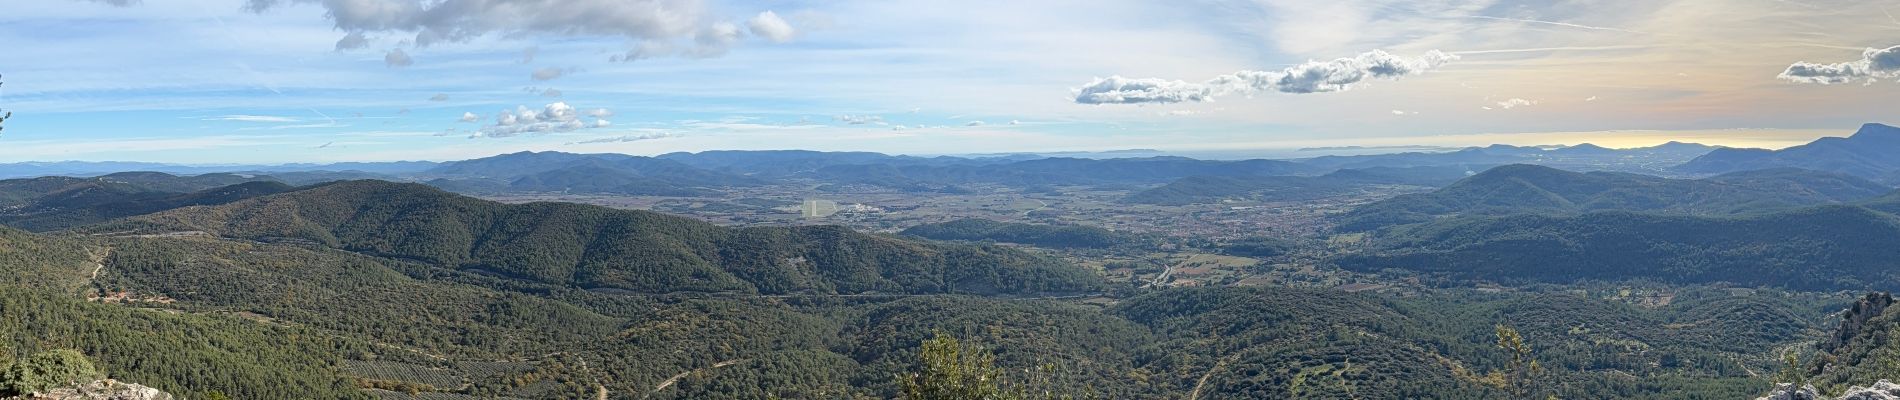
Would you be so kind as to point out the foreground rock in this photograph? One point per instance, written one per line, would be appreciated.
(1882, 390)
(105, 389)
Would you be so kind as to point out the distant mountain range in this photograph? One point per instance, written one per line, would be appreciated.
(1873, 152)
(1519, 189)
(1213, 189)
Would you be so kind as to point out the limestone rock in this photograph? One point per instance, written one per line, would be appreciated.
(105, 389)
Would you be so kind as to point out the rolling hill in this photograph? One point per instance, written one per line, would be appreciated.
(1873, 152)
(580, 173)
(1213, 189)
(1822, 248)
(58, 202)
(57, 211)
(599, 248)
(1515, 189)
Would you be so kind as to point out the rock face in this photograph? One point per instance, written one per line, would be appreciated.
(1882, 390)
(1867, 308)
(106, 389)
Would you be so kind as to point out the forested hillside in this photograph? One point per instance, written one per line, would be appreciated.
(1822, 248)
(1517, 189)
(600, 248)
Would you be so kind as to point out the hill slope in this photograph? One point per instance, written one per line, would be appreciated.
(600, 248)
(1521, 188)
(1873, 152)
(1822, 248)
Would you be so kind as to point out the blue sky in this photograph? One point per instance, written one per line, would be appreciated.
(262, 81)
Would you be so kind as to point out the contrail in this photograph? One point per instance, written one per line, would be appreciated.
(1533, 21)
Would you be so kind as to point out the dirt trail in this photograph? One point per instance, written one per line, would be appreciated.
(675, 379)
(99, 263)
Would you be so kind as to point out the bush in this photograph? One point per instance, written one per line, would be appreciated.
(47, 370)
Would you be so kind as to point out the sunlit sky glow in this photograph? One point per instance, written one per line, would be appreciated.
(263, 81)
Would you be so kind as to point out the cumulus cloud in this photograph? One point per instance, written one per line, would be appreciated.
(554, 117)
(1872, 65)
(626, 138)
(600, 113)
(859, 119)
(470, 117)
(1515, 103)
(769, 26)
(398, 59)
(714, 40)
(1310, 77)
(352, 41)
(550, 73)
(439, 97)
(429, 23)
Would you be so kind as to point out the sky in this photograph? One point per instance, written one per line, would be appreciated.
(277, 81)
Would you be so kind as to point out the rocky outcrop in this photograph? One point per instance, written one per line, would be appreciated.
(1883, 390)
(105, 389)
(1787, 391)
(1851, 323)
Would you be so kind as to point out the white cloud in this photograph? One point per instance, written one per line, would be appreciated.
(1310, 77)
(1592, 98)
(627, 138)
(397, 59)
(554, 117)
(439, 97)
(1514, 103)
(551, 92)
(438, 22)
(973, 123)
(600, 113)
(769, 26)
(1015, 122)
(1873, 64)
(470, 117)
(1119, 90)
(527, 55)
(714, 40)
(859, 119)
(550, 73)
(352, 41)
